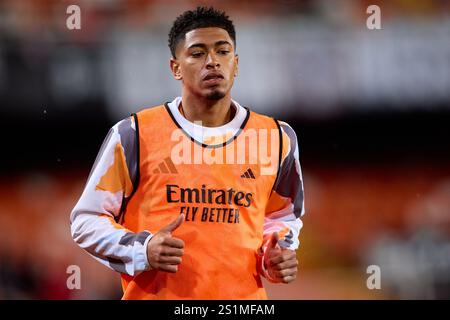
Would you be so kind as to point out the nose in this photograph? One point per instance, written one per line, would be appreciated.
(212, 62)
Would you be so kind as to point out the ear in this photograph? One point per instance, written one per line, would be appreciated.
(175, 68)
(236, 65)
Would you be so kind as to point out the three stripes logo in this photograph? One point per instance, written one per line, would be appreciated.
(167, 166)
(248, 174)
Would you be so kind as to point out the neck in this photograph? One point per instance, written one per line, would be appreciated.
(211, 113)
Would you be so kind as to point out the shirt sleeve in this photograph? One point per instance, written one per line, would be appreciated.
(94, 219)
(286, 203)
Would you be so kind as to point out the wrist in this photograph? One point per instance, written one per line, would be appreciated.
(263, 267)
(146, 243)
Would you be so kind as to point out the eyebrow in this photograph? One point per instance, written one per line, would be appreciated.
(203, 46)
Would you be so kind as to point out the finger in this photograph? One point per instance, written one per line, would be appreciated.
(168, 268)
(173, 242)
(284, 277)
(289, 279)
(285, 273)
(273, 241)
(284, 255)
(170, 260)
(174, 252)
(174, 224)
(291, 263)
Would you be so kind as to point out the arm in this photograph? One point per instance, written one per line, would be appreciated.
(285, 208)
(93, 220)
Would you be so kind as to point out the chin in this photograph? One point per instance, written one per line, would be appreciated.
(215, 95)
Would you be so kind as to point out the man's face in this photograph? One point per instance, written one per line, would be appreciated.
(206, 63)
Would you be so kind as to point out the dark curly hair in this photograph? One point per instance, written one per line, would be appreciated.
(201, 17)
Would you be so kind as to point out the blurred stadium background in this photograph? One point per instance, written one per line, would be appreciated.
(371, 109)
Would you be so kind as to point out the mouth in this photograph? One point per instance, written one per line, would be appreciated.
(213, 78)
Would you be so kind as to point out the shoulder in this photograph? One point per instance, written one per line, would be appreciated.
(150, 112)
(123, 130)
(290, 141)
(288, 130)
(262, 121)
(289, 136)
(260, 116)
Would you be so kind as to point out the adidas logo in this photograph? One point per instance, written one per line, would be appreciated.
(248, 174)
(167, 166)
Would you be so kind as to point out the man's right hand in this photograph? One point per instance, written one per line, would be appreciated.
(164, 252)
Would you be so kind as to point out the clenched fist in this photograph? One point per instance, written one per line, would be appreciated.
(280, 263)
(164, 252)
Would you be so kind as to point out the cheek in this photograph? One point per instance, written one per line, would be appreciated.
(231, 82)
(233, 68)
(190, 72)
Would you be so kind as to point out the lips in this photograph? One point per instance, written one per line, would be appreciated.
(213, 79)
(213, 76)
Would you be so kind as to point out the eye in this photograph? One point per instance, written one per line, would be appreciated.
(197, 54)
(224, 51)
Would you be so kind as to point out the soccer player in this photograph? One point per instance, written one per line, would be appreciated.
(180, 226)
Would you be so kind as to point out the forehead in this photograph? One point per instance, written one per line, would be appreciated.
(207, 36)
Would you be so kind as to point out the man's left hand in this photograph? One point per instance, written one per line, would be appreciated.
(280, 263)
